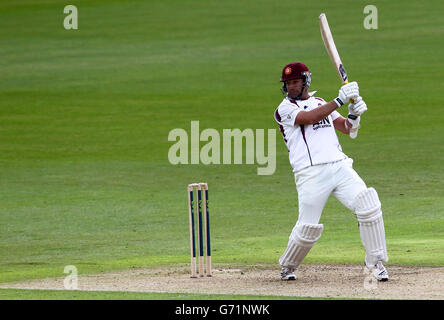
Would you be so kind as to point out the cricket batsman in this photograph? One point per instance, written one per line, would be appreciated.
(308, 125)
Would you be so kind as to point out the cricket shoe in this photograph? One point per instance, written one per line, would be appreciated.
(287, 274)
(379, 272)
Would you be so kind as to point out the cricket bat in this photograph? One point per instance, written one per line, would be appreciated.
(334, 56)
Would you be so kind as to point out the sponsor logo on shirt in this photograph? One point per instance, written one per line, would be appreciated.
(324, 123)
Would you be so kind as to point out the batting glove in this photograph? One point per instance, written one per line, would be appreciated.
(354, 120)
(358, 106)
(347, 92)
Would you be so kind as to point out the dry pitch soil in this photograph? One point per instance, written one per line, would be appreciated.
(323, 281)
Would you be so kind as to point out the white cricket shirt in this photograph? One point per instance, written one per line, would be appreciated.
(308, 145)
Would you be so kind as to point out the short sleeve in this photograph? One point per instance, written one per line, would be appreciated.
(286, 114)
(335, 115)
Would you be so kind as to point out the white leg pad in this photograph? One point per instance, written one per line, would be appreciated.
(371, 226)
(302, 239)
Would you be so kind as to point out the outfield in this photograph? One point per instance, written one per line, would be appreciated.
(85, 116)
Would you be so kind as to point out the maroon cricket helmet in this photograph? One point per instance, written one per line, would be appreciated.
(294, 70)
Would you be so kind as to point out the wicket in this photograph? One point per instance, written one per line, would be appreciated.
(203, 222)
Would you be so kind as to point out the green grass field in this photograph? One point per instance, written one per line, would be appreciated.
(23, 294)
(85, 115)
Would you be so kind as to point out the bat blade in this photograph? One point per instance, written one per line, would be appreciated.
(330, 46)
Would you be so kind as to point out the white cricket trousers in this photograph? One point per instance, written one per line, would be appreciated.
(315, 185)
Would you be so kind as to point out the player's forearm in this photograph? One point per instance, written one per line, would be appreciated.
(342, 124)
(316, 115)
